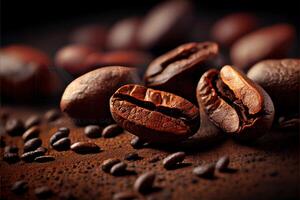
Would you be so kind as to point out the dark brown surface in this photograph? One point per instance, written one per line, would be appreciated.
(268, 170)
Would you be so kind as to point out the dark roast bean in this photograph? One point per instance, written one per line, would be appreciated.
(11, 149)
(124, 196)
(58, 135)
(235, 104)
(144, 182)
(32, 121)
(205, 171)
(11, 157)
(32, 144)
(43, 192)
(153, 115)
(132, 156)
(136, 142)
(52, 115)
(19, 187)
(14, 127)
(43, 149)
(85, 147)
(118, 169)
(64, 129)
(42, 159)
(109, 163)
(181, 67)
(173, 159)
(102, 83)
(93, 131)
(31, 155)
(111, 131)
(31, 133)
(62, 144)
(222, 163)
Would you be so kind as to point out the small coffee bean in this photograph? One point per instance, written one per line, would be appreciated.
(31, 155)
(109, 163)
(144, 182)
(31, 133)
(14, 127)
(58, 135)
(222, 163)
(124, 196)
(43, 192)
(62, 144)
(206, 171)
(43, 149)
(52, 115)
(171, 160)
(32, 144)
(11, 157)
(42, 159)
(32, 121)
(85, 147)
(136, 142)
(132, 156)
(118, 169)
(2, 141)
(64, 129)
(111, 131)
(11, 149)
(19, 187)
(93, 131)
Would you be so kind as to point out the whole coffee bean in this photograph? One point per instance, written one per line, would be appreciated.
(42, 149)
(235, 104)
(154, 115)
(42, 159)
(85, 147)
(64, 129)
(52, 115)
(270, 42)
(62, 144)
(205, 171)
(222, 163)
(31, 155)
(118, 169)
(231, 27)
(93, 131)
(124, 196)
(111, 131)
(86, 99)
(32, 144)
(14, 127)
(57, 136)
(31, 133)
(132, 156)
(11, 157)
(32, 121)
(19, 187)
(109, 163)
(43, 192)
(144, 183)
(281, 80)
(171, 160)
(136, 142)
(182, 66)
(11, 149)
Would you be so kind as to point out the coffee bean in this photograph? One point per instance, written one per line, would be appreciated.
(111, 131)
(132, 157)
(173, 159)
(11, 157)
(222, 163)
(14, 127)
(64, 129)
(31, 133)
(93, 131)
(31, 155)
(62, 144)
(85, 147)
(141, 111)
(205, 171)
(32, 121)
(118, 169)
(42, 159)
(144, 182)
(32, 144)
(43, 192)
(11, 149)
(124, 196)
(43, 149)
(2, 141)
(136, 142)
(57, 136)
(19, 187)
(109, 163)
(52, 115)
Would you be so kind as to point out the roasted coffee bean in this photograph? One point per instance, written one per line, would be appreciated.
(32, 121)
(42, 159)
(32, 144)
(235, 104)
(31, 133)
(205, 171)
(109, 163)
(43, 149)
(62, 144)
(144, 183)
(125, 196)
(52, 115)
(173, 159)
(132, 156)
(136, 142)
(93, 131)
(182, 66)
(31, 155)
(11, 157)
(19, 187)
(64, 129)
(85, 147)
(102, 83)
(222, 163)
(14, 127)
(43, 192)
(153, 115)
(118, 169)
(281, 80)
(111, 131)
(2, 141)
(277, 42)
(11, 149)
(58, 135)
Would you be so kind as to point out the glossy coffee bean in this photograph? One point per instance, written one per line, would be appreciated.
(95, 89)
(19, 187)
(205, 171)
(66, 130)
(93, 131)
(31, 133)
(234, 103)
(42, 149)
(173, 159)
(31, 155)
(144, 183)
(57, 136)
(222, 163)
(42, 159)
(269, 42)
(111, 131)
(118, 169)
(32, 121)
(11, 157)
(14, 127)
(32, 144)
(43, 192)
(137, 143)
(153, 115)
(11, 149)
(109, 163)
(179, 70)
(85, 147)
(132, 156)
(62, 144)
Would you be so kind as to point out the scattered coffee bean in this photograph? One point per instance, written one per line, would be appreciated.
(31, 133)
(11, 149)
(31, 155)
(173, 159)
(222, 163)
(11, 157)
(132, 157)
(109, 163)
(43, 192)
(93, 131)
(85, 147)
(14, 127)
(42, 159)
(2, 141)
(19, 187)
(57, 136)
(125, 196)
(32, 144)
(144, 183)
(62, 144)
(66, 130)
(205, 171)
(43, 149)
(111, 131)
(118, 169)
(52, 115)
(136, 142)
(32, 121)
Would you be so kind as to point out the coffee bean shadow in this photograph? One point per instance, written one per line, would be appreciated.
(129, 173)
(229, 170)
(179, 166)
(154, 189)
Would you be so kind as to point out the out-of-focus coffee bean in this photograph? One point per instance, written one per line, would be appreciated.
(109, 163)
(222, 163)
(136, 142)
(118, 169)
(11, 149)
(173, 159)
(111, 131)
(43, 192)
(62, 144)
(93, 131)
(52, 115)
(125, 196)
(32, 121)
(31, 133)
(32, 144)
(144, 183)
(19, 187)
(205, 171)
(14, 127)
(11, 157)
